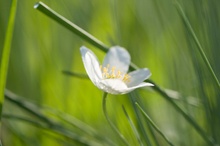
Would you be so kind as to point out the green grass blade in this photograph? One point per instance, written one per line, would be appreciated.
(27, 106)
(134, 97)
(199, 46)
(77, 75)
(133, 127)
(44, 121)
(69, 25)
(6, 52)
(58, 129)
(23, 139)
(208, 139)
(154, 125)
(74, 122)
(74, 28)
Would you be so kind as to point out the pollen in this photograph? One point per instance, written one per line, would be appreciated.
(113, 73)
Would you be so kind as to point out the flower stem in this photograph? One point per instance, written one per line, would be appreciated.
(109, 121)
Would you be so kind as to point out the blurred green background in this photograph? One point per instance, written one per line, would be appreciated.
(156, 37)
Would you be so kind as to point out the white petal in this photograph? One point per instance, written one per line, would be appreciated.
(135, 87)
(113, 86)
(91, 65)
(138, 76)
(117, 57)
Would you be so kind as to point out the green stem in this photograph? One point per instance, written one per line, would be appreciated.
(6, 52)
(199, 46)
(154, 125)
(109, 121)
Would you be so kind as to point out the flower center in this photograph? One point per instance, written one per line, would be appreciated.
(111, 73)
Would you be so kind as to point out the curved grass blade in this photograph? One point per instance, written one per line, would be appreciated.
(199, 46)
(133, 127)
(154, 125)
(45, 121)
(134, 96)
(189, 119)
(74, 122)
(54, 128)
(24, 140)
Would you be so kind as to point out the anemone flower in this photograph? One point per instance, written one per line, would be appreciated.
(112, 76)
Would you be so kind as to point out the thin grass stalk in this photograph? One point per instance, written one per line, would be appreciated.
(208, 108)
(133, 127)
(77, 75)
(70, 26)
(44, 120)
(54, 128)
(208, 139)
(6, 52)
(154, 125)
(202, 54)
(23, 140)
(115, 19)
(134, 96)
(104, 108)
(27, 106)
(199, 46)
(74, 122)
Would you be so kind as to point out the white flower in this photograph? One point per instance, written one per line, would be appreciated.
(112, 75)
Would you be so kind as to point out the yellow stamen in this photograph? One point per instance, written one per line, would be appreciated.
(108, 73)
(126, 78)
(105, 70)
